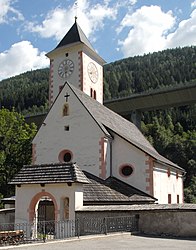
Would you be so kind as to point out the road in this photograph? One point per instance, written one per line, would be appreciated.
(118, 241)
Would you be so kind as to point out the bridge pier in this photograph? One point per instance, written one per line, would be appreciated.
(136, 118)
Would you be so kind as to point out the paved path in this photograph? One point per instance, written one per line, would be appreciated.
(118, 241)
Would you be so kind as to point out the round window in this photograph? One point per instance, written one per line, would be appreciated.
(126, 170)
(65, 156)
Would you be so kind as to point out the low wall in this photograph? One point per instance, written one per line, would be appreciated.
(178, 220)
(7, 216)
(168, 223)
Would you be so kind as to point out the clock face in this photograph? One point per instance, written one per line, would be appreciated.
(66, 68)
(92, 72)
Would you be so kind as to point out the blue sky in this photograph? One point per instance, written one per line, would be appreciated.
(117, 29)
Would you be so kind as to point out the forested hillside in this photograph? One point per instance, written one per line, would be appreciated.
(171, 131)
(27, 92)
(153, 71)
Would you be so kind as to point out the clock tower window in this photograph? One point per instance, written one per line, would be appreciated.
(95, 95)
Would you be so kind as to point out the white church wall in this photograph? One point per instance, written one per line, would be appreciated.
(168, 184)
(82, 139)
(124, 153)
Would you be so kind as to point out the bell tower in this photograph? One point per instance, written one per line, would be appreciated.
(75, 60)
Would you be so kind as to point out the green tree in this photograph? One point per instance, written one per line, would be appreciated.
(190, 192)
(15, 146)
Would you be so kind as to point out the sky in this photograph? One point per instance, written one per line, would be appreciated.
(117, 29)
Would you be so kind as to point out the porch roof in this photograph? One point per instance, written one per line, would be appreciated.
(50, 173)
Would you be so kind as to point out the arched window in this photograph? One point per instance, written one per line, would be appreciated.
(66, 208)
(95, 95)
(66, 109)
(91, 92)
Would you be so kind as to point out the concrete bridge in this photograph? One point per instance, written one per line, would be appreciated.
(133, 105)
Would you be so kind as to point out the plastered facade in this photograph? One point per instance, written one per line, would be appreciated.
(125, 153)
(82, 139)
(168, 181)
(26, 208)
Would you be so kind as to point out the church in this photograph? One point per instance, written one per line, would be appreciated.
(85, 154)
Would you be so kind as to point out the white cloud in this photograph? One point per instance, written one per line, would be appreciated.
(185, 34)
(193, 4)
(90, 18)
(21, 57)
(8, 13)
(53, 25)
(148, 29)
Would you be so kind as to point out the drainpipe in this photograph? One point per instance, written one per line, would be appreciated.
(110, 141)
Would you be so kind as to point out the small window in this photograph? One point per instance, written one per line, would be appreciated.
(66, 54)
(66, 128)
(67, 157)
(126, 170)
(177, 175)
(95, 95)
(169, 198)
(178, 198)
(91, 92)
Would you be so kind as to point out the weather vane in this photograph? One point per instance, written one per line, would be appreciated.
(76, 9)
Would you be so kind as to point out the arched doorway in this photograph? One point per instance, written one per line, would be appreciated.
(42, 215)
(45, 209)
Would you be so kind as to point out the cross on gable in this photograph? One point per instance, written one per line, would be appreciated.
(66, 97)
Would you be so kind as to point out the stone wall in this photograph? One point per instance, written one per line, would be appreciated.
(168, 223)
(178, 220)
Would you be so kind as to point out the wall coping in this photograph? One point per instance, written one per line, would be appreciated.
(147, 207)
(7, 210)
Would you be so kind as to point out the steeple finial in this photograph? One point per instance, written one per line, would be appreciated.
(76, 10)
